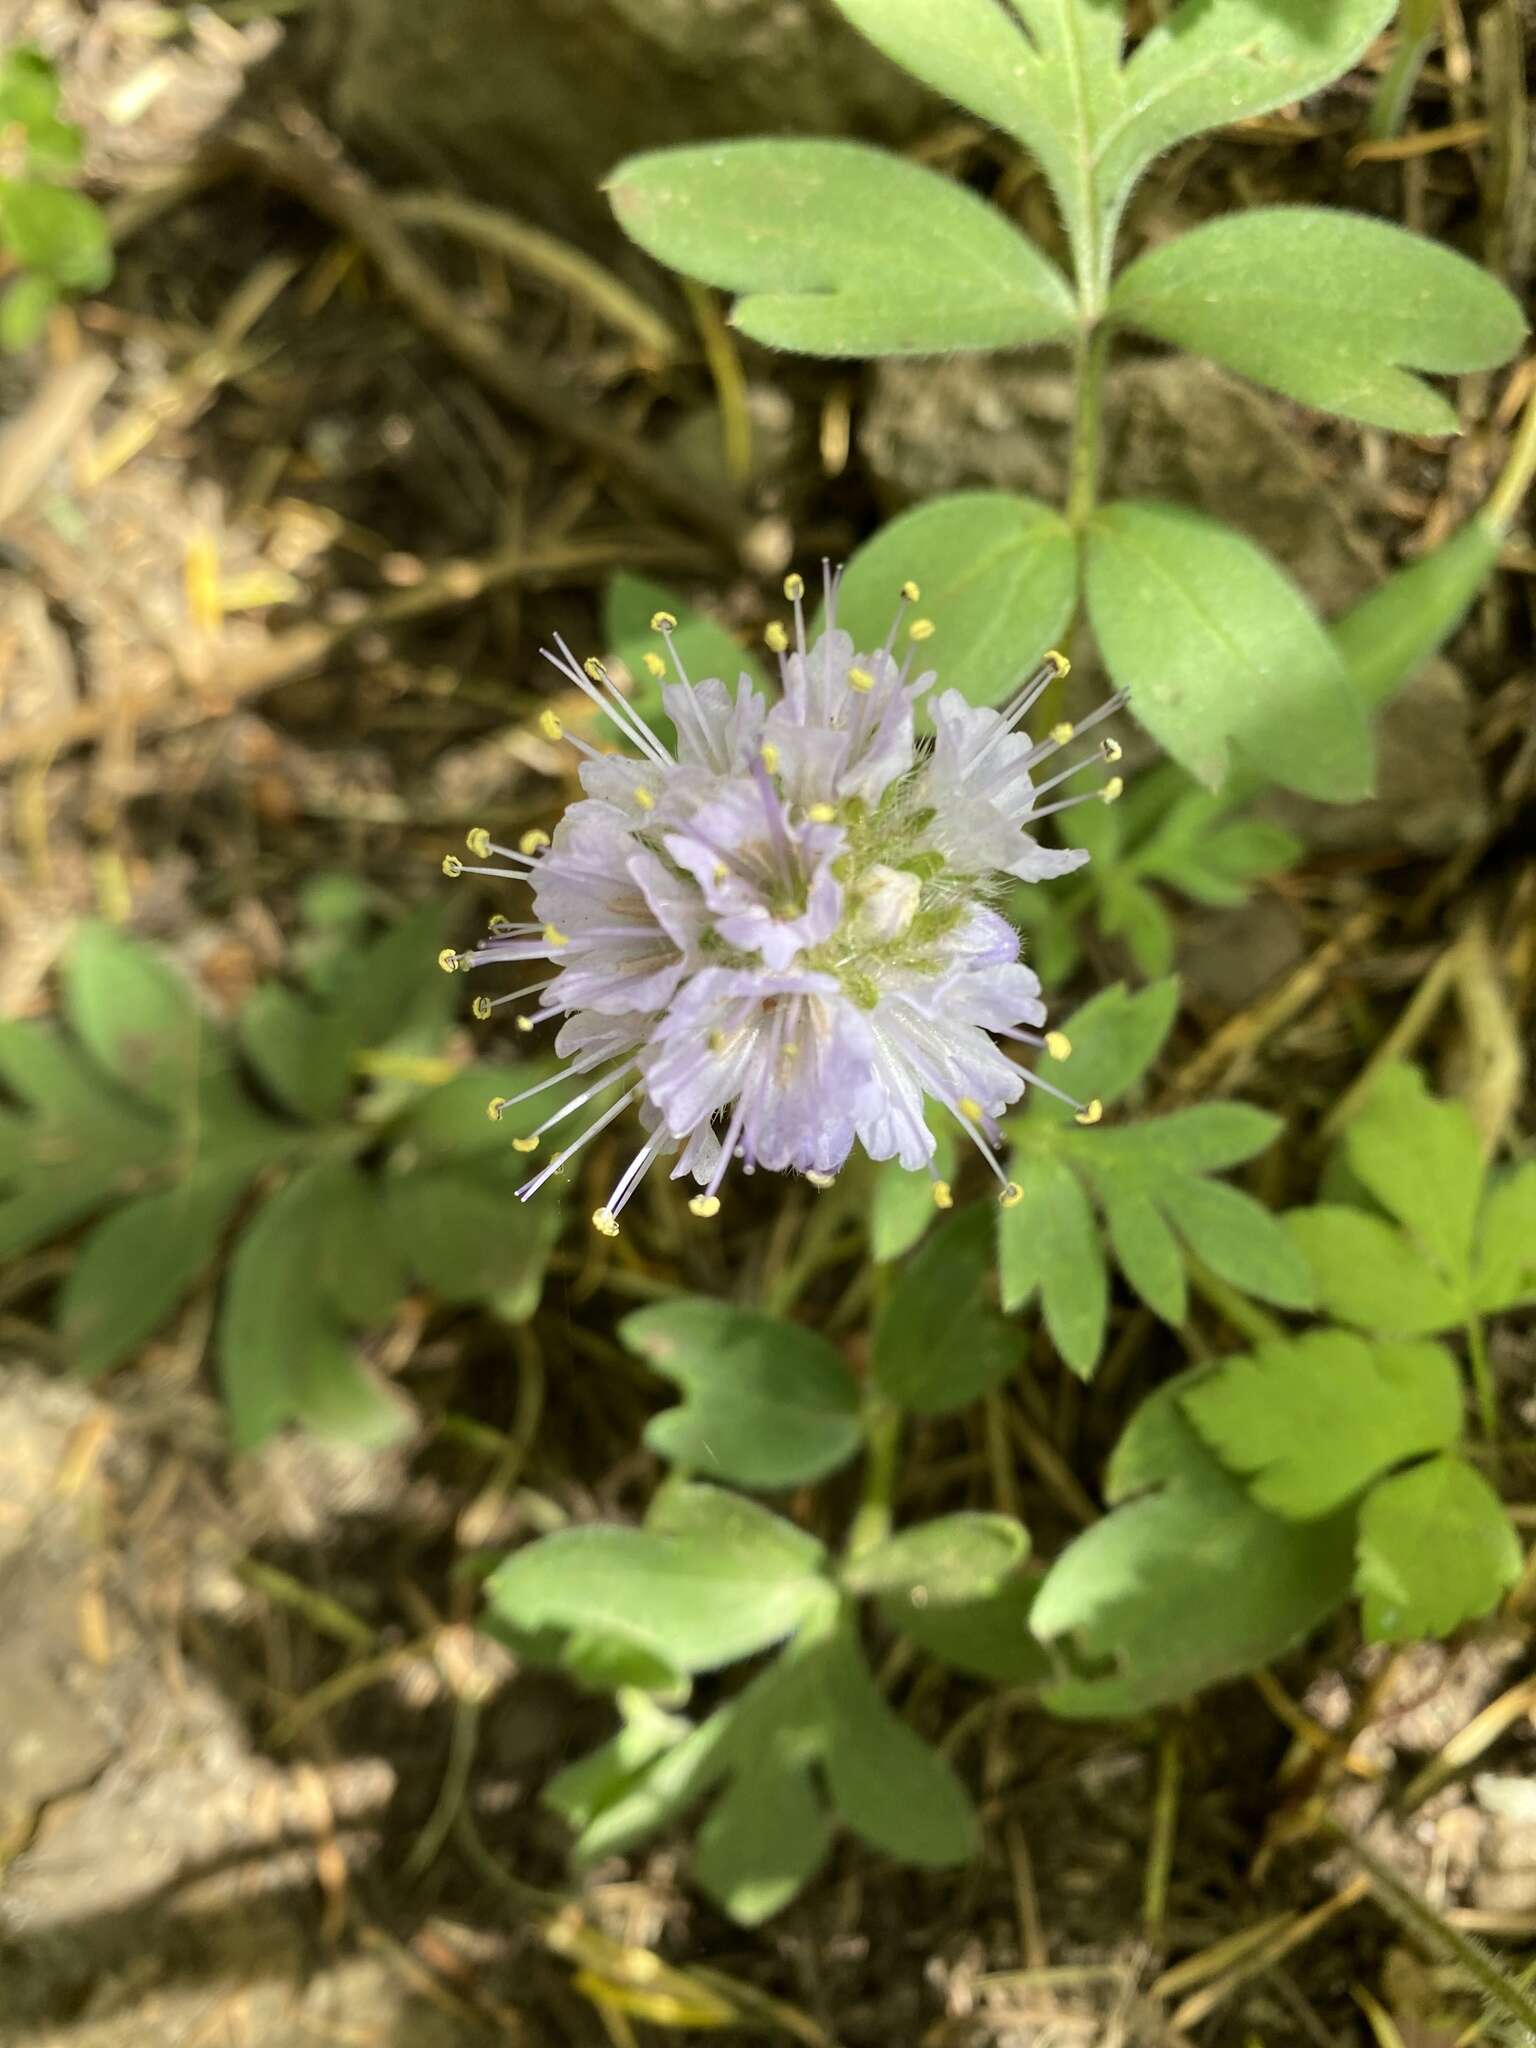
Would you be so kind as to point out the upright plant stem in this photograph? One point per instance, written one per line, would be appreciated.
(1087, 417)
(882, 1443)
(1482, 1380)
(1418, 26)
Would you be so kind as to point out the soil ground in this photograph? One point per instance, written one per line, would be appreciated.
(242, 1700)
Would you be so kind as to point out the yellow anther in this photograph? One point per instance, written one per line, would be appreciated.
(770, 758)
(453, 867)
(943, 1195)
(654, 665)
(969, 1106)
(478, 840)
(861, 680)
(605, 1222)
(552, 937)
(1112, 750)
(821, 814)
(821, 1180)
(644, 798)
(1059, 661)
(1063, 732)
(448, 960)
(550, 726)
(718, 1041)
(705, 1206)
(525, 1023)
(1058, 1045)
(481, 1008)
(790, 1050)
(1113, 790)
(525, 1144)
(494, 1108)
(593, 670)
(1091, 1113)
(663, 622)
(500, 927)
(794, 587)
(532, 841)
(1011, 1196)
(911, 593)
(921, 629)
(775, 638)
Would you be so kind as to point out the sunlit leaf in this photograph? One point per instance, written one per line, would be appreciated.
(841, 250)
(1437, 1548)
(1220, 651)
(947, 1562)
(1310, 1423)
(1188, 1582)
(997, 574)
(1332, 308)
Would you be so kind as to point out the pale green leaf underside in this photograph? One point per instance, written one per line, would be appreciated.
(1331, 308)
(841, 250)
(1309, 1424)
(998, 576)
(1221, 652)
(1436, 1548)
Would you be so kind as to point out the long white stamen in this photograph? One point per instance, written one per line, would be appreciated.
(596, 684)
(531, 1187)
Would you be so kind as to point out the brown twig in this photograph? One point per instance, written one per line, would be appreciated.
(310, 164)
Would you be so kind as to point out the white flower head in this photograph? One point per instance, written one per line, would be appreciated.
(777, 936)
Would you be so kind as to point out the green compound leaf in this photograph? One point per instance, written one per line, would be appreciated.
(360, 1271)
(1325, 306)
(885, 1781)
(1240, 1241)
(1506, 1243)
(842, 250)
(939, 1343)
(1115, 1037)
(135, 1268)
(998, 576)
(699, 647)
(284, 1353)
(903, 1208)
(25, 308)
(1053, 78)
(764, 1839)
(1310, 1424)
(1048, 1240)
(1436, 1548)
(56, 232)
(136, 1017)
(81, 1146)
(29, 88)
(462, 1232)
(299, 1052)
(948, 1562)
(1368, 1274)
(1188, 1582)
(1220, 651)
(767, 1403)
(1421, 1159)
(709, 1579)
(815, 1706)
(987, 1638)
(1388, 636)
(1146, 1250)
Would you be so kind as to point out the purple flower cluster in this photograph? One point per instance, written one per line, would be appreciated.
(779, 939)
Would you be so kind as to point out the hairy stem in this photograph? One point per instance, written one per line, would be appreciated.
(1087, 420)
(882, 1445)
(1507, 1993)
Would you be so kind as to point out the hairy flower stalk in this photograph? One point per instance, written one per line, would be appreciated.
(780, 940)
